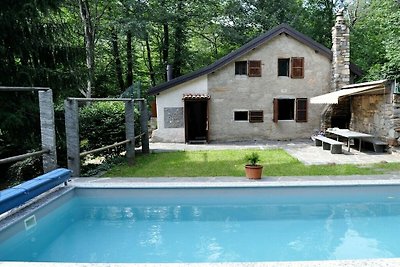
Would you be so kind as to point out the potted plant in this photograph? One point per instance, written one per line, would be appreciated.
(253, 170)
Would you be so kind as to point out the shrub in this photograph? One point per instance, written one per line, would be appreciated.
(102, 124)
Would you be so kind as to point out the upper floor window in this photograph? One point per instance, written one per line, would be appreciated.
(283, 66)
(293, 67)
(251, 68)
(241, 68)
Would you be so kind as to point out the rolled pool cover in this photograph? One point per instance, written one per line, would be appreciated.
(19, 194)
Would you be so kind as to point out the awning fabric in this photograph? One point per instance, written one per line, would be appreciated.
(333, 98)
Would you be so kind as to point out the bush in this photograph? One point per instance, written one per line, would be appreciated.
(24, 170)
(102, 124)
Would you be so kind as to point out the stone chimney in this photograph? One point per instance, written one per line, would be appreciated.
(339, 115)
(341, 53)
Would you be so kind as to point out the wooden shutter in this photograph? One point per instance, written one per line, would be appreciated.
(256, 116)
(301, 109)
(276, 111)
(297, 67)
(254, 68)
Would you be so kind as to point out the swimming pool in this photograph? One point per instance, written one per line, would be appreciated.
(249, 224)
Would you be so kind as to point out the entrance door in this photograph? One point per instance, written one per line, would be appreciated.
(196, 121)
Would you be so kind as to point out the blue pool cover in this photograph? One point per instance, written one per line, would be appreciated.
(17, 195)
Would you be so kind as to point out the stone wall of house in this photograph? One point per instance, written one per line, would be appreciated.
(394, 131)
(378, 115)
(230, 93)
(370, 114)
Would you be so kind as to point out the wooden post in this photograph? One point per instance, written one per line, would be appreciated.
(47, 130)
(144, 117)
(130, 131)
(72, 134)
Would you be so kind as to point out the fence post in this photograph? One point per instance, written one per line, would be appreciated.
(47, 130)
(72, 134)
(130, 131)
(144, 117)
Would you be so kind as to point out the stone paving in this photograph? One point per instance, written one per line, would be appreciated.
(304, 150)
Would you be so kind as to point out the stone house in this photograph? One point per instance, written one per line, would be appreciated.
(260, 91)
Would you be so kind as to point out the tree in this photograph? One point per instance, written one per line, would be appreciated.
(374, 39)
(89, 35)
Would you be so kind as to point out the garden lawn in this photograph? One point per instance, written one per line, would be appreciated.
(229, 163)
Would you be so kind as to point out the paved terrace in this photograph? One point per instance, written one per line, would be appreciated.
(304, 150)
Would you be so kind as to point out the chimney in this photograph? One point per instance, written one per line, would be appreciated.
(169, 72)
(341, 53)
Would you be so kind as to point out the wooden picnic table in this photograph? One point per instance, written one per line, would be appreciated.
(346, 133)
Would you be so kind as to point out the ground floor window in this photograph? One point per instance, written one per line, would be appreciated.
(290, 109)
(252, 116)
(241, 116)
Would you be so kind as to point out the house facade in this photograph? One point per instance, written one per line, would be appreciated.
(260, 91)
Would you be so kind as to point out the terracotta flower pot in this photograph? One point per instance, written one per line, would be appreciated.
(253, 171)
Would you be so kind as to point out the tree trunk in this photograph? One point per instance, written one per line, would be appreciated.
(179, 40)
(150, 64)
(129, 59)
(89, 45)
(165, 47)
(117, 59)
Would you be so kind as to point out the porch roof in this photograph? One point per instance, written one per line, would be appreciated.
(196, 97)
(375, 87)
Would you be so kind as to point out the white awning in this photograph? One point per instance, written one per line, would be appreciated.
(333, 98)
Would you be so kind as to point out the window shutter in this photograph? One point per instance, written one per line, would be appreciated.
(254, 68)
(301, 110)
(276, 111)
(297, 67)
(256, 116)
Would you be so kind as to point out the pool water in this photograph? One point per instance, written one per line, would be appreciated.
(212, 225)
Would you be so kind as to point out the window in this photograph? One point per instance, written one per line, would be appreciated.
(241, 68)
(256, 116)
(241, 116)
(252, 68)
(294, 65)
(283, 66)
(290, 109)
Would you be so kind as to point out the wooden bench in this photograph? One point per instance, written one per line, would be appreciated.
(329, 144)
(379, 145)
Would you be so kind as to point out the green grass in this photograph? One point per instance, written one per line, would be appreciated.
(231, 163)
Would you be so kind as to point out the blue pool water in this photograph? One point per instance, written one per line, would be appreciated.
(211, 225)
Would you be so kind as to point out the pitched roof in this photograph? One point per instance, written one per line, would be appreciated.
(283, 28)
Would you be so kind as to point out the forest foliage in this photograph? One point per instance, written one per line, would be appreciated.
(86, 48)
